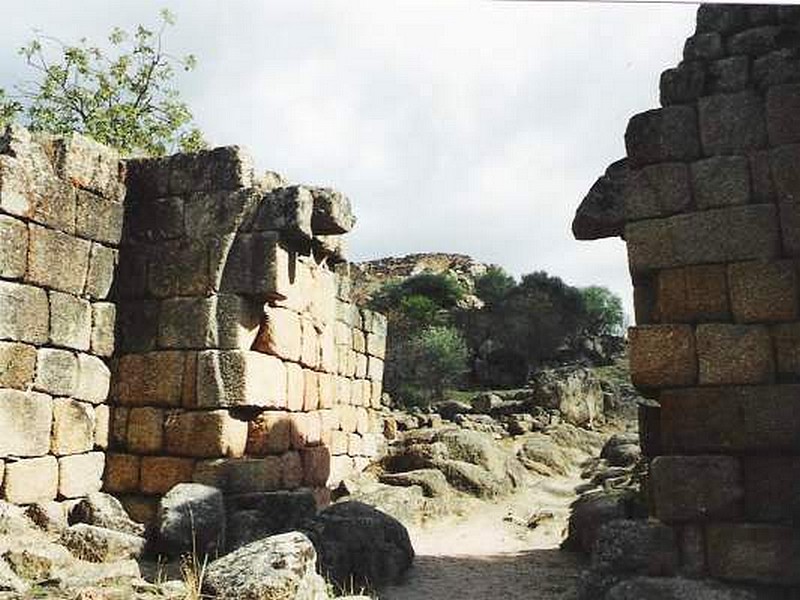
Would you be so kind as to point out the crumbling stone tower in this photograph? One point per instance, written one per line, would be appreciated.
(176, 319)
(708, 201)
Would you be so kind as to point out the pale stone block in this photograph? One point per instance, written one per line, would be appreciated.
(102, 426)
(309, 344)
(24, 313)
(90, 165)
(104, 317)
(80, 474)
(359, 341)
(100, 277)
(295, 386)
(377, 391)
(237, 377)
(327, 390)
(31, 480)
(205, 434)
(344, 390)
(339, 467)
(48, 247)
(70, 321)
(145, 430)
(354, 444)
(13, 247)
(348, 417)
(327, 350)
(310, 390)
(56, 372)
(357, 392)
(376, 345)
(305, 430)
(338, 443)
(17, 365)
(343, 334)
(375, 369)
(25, 421)
(362, 420)
(98, 219)
(280, 334)
(361, 365)
(323, 300)
(73, 427)
(94, 379)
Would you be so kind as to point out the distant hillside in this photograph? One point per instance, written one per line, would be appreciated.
(371, 275)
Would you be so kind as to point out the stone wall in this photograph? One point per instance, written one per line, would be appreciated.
(239, 359)
(61, 217)
(708, 203)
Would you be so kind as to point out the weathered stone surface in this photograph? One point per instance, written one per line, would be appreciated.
(31, 480)
(47, 246)
(253, 475)
(155, 219)
(721, 19)
(662, 355)
(145, 430)
(781, 66)
(727, 75)
(682, 84)
(25, 420)
(763, 292)
(357, 543)
(755, 41)
(191, 520)
(102, 426)
(656, 191)
(70, 321)
(310, 390)
(692, 488)
(73, 427)
(13, 247)
(790, 227)
(703, 46)
(94, 379)
(180, 268)
(122, 473)
(153, 378)
(734, 354)
(102, 263)
(432, 481)
(24, 313)
(772, 488)
(693, 294)
(280, 334)
(663, 135)
(97, 544)
(316, 466)
(635, 547)
(783, 122)
(206, 434)
(97, 218)
(160, 473)
(80, 474)
(732, 419)
(17, 365)
(48, 516)
(56, 372)
(786, 338)
(732, 123)
(257, 266)
(138, 326)
(256, 516)
(784, 161)
(104, 316)
(753, 552)
(287, 209)
(721, 181)
(103, 510)
(333, 214)
(279, 566)
(89, 165)
(231, 378)
(713, 236)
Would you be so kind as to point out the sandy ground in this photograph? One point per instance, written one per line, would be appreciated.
(488, 552)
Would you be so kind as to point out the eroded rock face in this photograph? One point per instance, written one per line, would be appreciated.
(601, 214)
(359, 544)
(280, 567)
(576, 393)
(191, 519)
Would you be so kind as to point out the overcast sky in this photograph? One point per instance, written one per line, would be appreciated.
(453, 126)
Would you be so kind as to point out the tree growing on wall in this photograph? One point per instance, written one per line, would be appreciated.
(122, 96)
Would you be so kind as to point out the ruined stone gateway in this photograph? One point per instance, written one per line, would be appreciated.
(708, 201)
(176, 319)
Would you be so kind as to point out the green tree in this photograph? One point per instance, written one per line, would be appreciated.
(604, 314)
(492, 286)
(431, 361)
(122, 96)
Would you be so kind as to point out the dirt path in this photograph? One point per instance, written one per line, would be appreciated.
(490, 553)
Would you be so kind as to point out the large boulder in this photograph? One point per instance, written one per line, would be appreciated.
(593, 510)
(601, 214)
(622, 450)
(255, 516)
(676, 588)
(191, 519)
(575, 392)
(432, 481)
(541, 454)
(97, 544)
(281, 567)
(635, 546)
(103, 510)
(359, 545)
